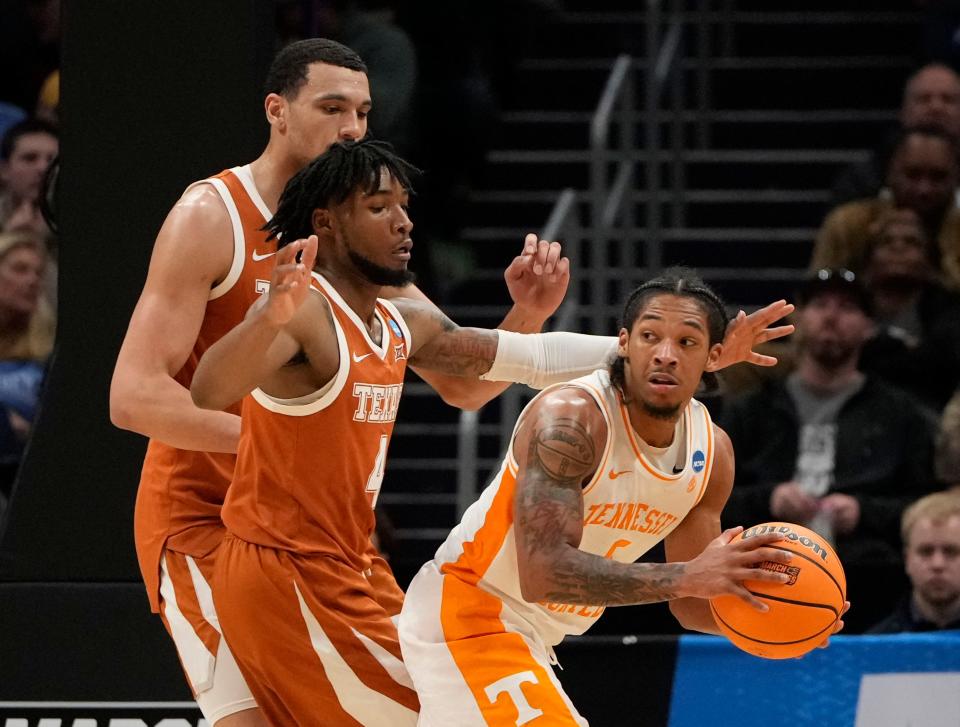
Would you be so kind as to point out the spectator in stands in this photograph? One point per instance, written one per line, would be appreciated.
(930, 530)
(26, 339)
(947, 458)
(48, 100)
(26, 152)
(830, 447)
(931, 98)
(922, 176)
(917, 320)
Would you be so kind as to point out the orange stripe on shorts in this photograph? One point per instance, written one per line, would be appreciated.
(488, 656)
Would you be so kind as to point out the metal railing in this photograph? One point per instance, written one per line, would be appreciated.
(562, 224)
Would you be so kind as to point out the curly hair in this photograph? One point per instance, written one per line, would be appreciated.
(346, 167)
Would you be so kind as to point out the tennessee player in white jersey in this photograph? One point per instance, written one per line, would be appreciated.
(598, 471)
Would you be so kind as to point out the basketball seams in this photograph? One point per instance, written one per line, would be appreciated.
(843, 595)
(794, 602)
(769, 643)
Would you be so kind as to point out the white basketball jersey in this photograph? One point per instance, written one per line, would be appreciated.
(628, 506)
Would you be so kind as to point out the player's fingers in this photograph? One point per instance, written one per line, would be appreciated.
(773, 311)
(759, 359)
(516, 268)
(775, 555)
(759, 541)
(529, 244)
(729, 534)
(309, 257)
(543, 249)
(562, 271)
(553, 255)
(286, 253)
(765, 576)
(282, 272)
(770, 334)
(744, 595)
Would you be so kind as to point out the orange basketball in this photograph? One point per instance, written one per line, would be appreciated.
(803, 610)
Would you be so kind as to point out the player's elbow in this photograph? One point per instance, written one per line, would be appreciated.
(205, 397)
(534, 580)
(123, 406)
(462, 396)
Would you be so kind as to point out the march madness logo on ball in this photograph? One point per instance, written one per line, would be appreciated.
(698, 461)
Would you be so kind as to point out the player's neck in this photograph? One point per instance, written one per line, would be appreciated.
(655, 431)
(357, 292)
(271, 171)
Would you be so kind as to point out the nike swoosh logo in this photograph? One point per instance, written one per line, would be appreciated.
(358, 359)
(615, 475)
(257, 257)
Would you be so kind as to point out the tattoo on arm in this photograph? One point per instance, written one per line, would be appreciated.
(454, 350)
(549, 514)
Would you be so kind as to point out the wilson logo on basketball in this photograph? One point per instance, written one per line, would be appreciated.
(791, 570)
(788, 534)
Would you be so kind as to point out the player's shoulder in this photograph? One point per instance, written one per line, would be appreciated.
(198, 233)
(569, 401)
(201, 203)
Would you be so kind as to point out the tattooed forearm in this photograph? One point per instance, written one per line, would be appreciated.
(460, 351)
(584, 579)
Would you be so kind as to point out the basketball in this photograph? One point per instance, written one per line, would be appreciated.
(803, 610)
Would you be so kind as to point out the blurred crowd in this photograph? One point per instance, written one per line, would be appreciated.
(851, 434)
(29, 146)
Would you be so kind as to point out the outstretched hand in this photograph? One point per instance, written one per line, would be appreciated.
(538, 277)
(746, 331)
(290, 280)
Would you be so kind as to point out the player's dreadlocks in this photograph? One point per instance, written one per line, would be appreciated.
(685, 283)
(346, 167)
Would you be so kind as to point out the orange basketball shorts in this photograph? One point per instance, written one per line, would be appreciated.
(313, 641)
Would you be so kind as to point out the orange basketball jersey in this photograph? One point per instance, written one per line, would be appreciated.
(181, 492)
(309, 469)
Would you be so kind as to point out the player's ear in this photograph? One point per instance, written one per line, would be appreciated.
(275, 107)
(622, 342)
(321, 221)
(713, 358)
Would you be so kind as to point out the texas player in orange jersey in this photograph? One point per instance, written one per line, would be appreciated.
(322, 357)
(211, 260)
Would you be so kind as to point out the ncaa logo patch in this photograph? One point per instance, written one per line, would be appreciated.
(394, 326)
(698, 461)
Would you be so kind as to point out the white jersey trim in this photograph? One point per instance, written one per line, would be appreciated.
(239, 243)
(407, 338)
(246, 179)
(608, 445)
(711, 434)
(320, 399)
(335, 297)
